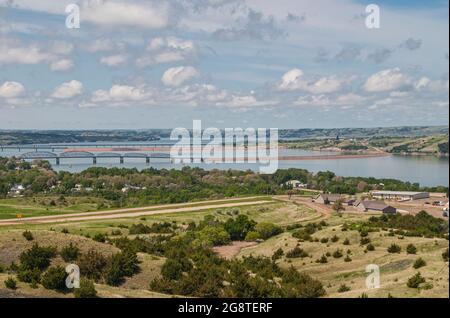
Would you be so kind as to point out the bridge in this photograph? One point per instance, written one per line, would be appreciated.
(34, 155)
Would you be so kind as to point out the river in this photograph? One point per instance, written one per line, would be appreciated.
(425, 170)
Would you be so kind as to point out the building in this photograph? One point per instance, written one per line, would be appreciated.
(295, 184)
(16, 190)
(400, 195)
(327, 198)
(375, 206)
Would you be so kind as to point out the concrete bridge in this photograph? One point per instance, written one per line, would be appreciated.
(89, 155)
(53, 147)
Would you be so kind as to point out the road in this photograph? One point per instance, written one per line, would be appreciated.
(136, 212)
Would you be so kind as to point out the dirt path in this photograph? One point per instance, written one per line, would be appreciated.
(230, 251)
(126, 213)
(322, 209)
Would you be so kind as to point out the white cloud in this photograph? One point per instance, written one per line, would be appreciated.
(119, 93)
(295, 80)
(426, 84)
(62, 48)
(176, 76)
(386, 80)
(114, 60)
(68, 90)
(62, 65)
(114, 13)
(11, 89)
(167, 50)
(13, 52)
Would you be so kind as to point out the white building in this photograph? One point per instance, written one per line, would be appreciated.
(400, 195)
(295, 184)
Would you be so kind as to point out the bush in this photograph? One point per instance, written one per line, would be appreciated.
(69, 253)
(411, 249)
(99, 237)
(445, 255)
(139, 229)
(252, 236)
(324, 240)
(239, 227)
(11, 283)
(343, 288)
(420, 262)
(37, 257)
(322, 260)
(364, 241)
(86, 290)
(370, 247)
(31, 276)
(123, 264)
(415, 281)
(277, 254)
(54, 278)
(337, 253)
(213, 236)
(267, 230)
(92, 264)
(28, 236)
(394, 248)
(296, 253)
(334, 239)
(347, 259)
(346, 242)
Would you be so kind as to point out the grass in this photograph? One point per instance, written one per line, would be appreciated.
(395, 268)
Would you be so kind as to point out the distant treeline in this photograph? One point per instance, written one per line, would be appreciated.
(153, 186)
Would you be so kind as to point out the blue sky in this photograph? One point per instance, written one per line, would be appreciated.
(230, 63)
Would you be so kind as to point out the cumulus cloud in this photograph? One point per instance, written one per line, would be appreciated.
(62, 65)
(167, 50)
(68, 90)
(386, 80)
(295, 80)
(176, 76)
(11, 89)
(114, 60)
(148, 15)
(426, 84)
(119, 93)
(14, 52)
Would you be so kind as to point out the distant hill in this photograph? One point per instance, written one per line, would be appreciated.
(74, 136)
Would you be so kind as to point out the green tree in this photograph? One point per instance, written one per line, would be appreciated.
(86, 290)
(54, 278)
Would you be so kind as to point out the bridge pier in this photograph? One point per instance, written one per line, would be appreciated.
(147, 160)
(57, 161)
(121, 160)
(94, 160)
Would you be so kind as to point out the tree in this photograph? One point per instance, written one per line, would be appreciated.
(420, 262)
(394, 248)
(27, 235)
(54, 278)
(86, 290)
(92, 264)
(239, 227)
(37, 257)
(267, 230)
(415, 281)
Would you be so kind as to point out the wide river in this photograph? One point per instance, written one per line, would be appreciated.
(425, 170)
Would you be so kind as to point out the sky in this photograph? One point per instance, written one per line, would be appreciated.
(141, 64)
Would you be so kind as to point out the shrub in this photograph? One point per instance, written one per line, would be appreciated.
(277, 254)
(139, 229)
(123, 264)
(394, 248)
(69, 253)
(343, 288)
(296, 253)
(420, 262)
(31, 276)
(239, 227)
(86, 290)
(346, 242)
(37, 257)
(364, 241)
(92, 264)
(54, 278)
(445, 255)
(65, 231)
(337, 253)
(28, 236)
(172, 269)
(213, 236)
(347, 259)
(370, 247)
(252, 236)
(99, 237)
(11, 283)
(267, 230)
(411, 249)
(324, 240)
(415, 281)
(322, 260)
(334, 239)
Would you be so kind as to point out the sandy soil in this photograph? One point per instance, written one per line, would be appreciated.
(230, 251)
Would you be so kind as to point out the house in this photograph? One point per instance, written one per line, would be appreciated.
(400, 195)
(374, 206)
(295, 184)
(328, 198)
(16, 189)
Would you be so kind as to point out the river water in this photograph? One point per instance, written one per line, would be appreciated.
(425, 170)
